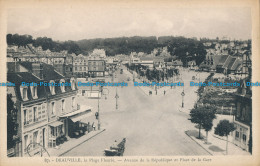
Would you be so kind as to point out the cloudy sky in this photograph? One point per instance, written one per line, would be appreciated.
(96, 22)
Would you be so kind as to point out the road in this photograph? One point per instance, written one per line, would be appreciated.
(152, 126)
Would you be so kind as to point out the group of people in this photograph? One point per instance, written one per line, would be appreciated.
(150, 92)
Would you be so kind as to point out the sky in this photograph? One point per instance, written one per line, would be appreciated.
(96, 22)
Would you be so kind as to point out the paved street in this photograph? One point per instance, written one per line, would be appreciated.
(152, 126)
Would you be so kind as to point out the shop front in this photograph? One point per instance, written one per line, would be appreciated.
(56, 133)
(73, 125)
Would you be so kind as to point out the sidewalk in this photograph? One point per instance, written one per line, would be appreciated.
(216, 144)
(72, 143)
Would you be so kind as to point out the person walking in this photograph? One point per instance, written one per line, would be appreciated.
(93, 126)
(164, 92)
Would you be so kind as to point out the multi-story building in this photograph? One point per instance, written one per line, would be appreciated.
(80, 65)
(243, 117)
(48, 109)
(97, 63)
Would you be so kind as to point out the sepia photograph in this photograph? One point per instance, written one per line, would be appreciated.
(115, 82)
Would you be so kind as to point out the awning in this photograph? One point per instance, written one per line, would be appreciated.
(83, 108)
(56, 123)
(81, 117)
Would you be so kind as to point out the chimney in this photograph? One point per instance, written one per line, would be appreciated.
(37, 70)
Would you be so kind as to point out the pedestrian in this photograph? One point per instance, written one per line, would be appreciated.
(164, 92)
(88, 126)
(156, 92)
(115, 145)
(93, 126)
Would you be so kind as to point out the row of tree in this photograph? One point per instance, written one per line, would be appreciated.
(183, 48)
(153, 74)
(44, 42)
(203, 116)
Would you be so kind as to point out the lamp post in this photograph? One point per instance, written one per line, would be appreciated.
(116, 99)
(182, 94)
(98, 113)
(198, 89)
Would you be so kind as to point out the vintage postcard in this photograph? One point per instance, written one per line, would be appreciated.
(129, 82)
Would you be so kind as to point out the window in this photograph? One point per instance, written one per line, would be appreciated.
(34, 91)
(35, 117)
(25, 142)
(62, 105)
(62, 87)
(53, 108)
(52, 131)
(25, 117)
(52, 87)
(35, 138)
(244, 138)
(24, 93)
(73, 102)
(72, 84)
(237, 134)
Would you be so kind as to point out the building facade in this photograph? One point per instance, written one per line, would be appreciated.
(243, 117)
(47, 109)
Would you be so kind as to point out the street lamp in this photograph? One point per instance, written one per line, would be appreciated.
(182, 94)
(198, 89)
(116, 99)
(98, 113)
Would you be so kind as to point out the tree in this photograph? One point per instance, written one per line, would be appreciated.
(203, 116)
(207, 127)
(11, 122)
(224, 128)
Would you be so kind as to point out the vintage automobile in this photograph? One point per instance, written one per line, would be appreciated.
(117, 150)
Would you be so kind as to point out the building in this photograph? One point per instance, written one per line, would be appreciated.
(242, 136)
(222, 63)
(80, 65)
(97, 63)
(192, 65)
(174, 64)
(46, 114)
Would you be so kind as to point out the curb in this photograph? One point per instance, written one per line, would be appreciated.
(222, 139)
(198, 143)
(80, 143)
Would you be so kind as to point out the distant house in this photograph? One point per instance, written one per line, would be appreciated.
(97, 63)
(229, 65)
(192, 65)
(222, 63)
(146, 61)
(159, 62)
(174, 64)
(80, 65)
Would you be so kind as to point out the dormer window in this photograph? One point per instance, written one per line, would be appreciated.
(34, 92)
(52, 87)
(23, 90)
(73, 84)
(243, 89)
(62, 85)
